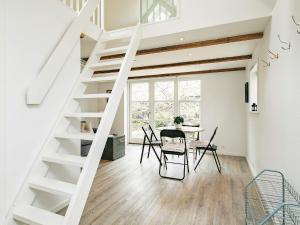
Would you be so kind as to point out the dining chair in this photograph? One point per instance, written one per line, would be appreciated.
(208, 146)
(193, 125)
(193, 137)
(173, 147)
(151, 141)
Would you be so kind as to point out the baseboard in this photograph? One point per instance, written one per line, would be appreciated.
(60, 206)
(252, 170)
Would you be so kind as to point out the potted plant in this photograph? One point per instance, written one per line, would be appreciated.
(178, 121)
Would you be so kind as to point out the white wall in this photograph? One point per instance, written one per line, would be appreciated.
(33, 29)
(2, 111)
(223, 105)
(119, 14)
(273, 134)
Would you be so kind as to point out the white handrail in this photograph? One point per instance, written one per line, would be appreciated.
(88, 173)
(41, 85)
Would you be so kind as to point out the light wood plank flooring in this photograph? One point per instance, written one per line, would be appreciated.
(127, 193)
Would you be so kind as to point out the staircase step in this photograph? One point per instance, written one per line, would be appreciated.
(100, 79)
(84, 115)
(53, 186)
(120, 49)
(64, 159)
(114, 36)
(93, 96)
(80, 136)
(109, 63)
(32, 215)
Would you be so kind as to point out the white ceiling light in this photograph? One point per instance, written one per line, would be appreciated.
(181, 39)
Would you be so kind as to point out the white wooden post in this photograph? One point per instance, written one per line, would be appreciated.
(98, 16)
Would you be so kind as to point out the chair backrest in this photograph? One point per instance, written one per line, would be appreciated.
(152, 133)
(213, 136)
(172, 134)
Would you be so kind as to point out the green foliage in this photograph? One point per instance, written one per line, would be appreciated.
(178, 119)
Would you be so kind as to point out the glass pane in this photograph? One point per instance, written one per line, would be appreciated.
(163, 114)
(164, 90)
(190, 90)
(190, 111)
(139, 117)
(140, 92)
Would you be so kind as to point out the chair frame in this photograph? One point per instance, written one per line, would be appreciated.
(210, 148)
(176, 134)
(149, 143)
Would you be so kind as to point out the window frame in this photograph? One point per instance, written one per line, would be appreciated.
(152, 100)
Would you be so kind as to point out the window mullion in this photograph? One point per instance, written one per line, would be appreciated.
(176, 98)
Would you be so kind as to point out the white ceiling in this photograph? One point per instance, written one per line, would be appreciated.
(209, 52)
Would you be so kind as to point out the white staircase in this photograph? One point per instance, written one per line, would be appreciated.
(27, 208)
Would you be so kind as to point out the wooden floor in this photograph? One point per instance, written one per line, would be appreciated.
(125, 192)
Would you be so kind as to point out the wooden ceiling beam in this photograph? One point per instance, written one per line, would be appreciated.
(198, 44)
(187, 63)
(189, 73)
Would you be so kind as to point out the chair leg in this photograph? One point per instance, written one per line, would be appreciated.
(217, 161)
(200, 159)
(187, 161)
(156, 154)
(148, 152)
(141, 160)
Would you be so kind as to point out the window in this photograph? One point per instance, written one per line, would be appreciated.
(139, 109)
(156, 102)
(189, 100)
(163, 103)
(157, 10)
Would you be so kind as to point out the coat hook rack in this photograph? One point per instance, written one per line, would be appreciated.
(297, 24)
(272, 55)
(288, 44)
(266, 64)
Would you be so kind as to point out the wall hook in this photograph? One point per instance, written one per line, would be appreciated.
(286, 43)
(297, 24)
(272, 55)
(266, 64)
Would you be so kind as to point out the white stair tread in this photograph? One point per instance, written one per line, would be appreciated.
(80, 136)
(100, 65)
(113, 50)
(85, 115)
(52, 186)
(99, 79)
(113, 36)
(32, 215)
(64, 159)
(88, 96)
